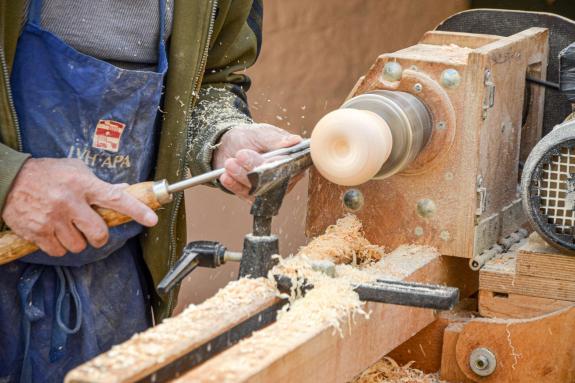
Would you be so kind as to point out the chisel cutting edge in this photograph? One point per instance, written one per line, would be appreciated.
(153, 194)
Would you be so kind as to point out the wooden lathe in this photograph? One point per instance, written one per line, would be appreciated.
(455, 117)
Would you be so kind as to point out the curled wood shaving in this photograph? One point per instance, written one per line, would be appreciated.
(343, 242)
(388, 371)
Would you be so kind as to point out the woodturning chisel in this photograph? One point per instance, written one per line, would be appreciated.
(153, 194)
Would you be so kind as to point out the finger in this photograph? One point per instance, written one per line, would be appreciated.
(70, 237)
(113, 197)
(50, 245)
(249, 159)
(268, 137)
(92, 226)
(237, 172)
(234, 186)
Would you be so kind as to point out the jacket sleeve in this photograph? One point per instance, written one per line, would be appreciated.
(222, 102)
(10, 163)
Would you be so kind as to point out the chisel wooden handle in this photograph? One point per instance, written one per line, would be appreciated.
(13, 247)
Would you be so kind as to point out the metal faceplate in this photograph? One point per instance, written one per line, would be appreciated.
(548, 187)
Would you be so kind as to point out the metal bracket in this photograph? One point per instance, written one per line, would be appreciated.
(481, 197)
(489, 100)
(503, 245)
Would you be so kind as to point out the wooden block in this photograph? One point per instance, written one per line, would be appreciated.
(450, 371)
(537, 258)
(503, 305)
(424, 349)
(536, 350)
(499, 275)
(319, 354)
(467, 40)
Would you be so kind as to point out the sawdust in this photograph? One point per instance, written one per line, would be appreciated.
(388, 371)
(178, 334)
(332, 305)
(343, 243)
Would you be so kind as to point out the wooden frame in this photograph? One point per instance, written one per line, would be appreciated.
(485, 145)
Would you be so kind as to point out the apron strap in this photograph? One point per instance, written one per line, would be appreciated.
(35, 11)
(67, 295)
(162, 57)
(162, 21)
(32, 304)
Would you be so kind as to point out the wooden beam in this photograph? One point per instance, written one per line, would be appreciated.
(147, 352)
(467, 40)
(503, 305)
(282, 352)
(499, 275)
(538, 259)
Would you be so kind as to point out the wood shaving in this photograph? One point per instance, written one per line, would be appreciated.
(343, 243)
(388, 371)
(149, 348)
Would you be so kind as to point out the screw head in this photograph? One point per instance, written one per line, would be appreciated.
(444, 235)
(417, 88)
(450, 78)
(353, 200)
(418, 231)
(392, 71)
(482, 361)
(440, 125)
(426, 208)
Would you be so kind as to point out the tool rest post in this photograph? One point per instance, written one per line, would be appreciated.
(261, 245)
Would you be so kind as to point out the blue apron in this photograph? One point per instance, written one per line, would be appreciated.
(56, 313)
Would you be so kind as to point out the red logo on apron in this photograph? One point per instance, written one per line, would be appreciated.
(107, 135)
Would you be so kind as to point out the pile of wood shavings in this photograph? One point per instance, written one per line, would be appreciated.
(388, 371)
(343, 243)
(149, 347)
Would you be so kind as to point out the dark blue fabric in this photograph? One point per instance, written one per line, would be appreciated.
(56, 313)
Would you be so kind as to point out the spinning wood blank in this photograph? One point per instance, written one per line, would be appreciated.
(350, 146)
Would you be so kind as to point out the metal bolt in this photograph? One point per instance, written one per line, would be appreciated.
(482, 361)
(414, 67)
(450, 78)
(426, 208)
(353, 199)
(444, 235)
(441, 125)
(392, 71)
(417, 88)
(418, 231)
(448, 176)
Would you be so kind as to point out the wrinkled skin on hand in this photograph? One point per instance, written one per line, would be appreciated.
(51, 204)
(240, 151)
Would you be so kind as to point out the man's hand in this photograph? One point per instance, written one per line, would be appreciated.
(239, 152)
(51, 201)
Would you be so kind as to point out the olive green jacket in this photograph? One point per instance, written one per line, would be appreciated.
(211, 42)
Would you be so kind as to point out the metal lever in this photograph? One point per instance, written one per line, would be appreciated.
(394, 292)
(196, 254)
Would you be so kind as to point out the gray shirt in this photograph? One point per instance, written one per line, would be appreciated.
(122, 32)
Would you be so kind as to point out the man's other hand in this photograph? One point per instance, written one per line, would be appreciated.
(51, 204)
(240, 151)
